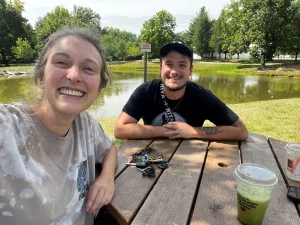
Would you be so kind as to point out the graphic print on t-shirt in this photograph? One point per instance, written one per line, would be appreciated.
(82, 183)
(162, 119)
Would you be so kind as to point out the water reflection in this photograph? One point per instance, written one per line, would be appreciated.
(229, 88)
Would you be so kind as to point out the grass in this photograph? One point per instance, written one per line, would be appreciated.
(278, 119)
(275, 68)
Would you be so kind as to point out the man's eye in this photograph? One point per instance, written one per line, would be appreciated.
(183, 65)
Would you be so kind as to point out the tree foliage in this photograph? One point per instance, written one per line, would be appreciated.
(265, 23)
(60, 17)
(23, 50)
(12, 26)
(158, 30)
(202, 33)
(119, 44)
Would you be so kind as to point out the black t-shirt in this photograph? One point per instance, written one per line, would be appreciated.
(197, 105)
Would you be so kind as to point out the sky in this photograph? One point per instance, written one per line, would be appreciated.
(129, 15)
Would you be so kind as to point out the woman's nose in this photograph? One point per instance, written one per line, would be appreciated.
(74, 74)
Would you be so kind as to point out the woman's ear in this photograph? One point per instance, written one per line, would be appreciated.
(42, 84)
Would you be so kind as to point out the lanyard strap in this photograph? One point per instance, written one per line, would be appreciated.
(169, 112)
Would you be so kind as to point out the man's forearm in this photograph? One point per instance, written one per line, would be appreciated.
(139, 131)
(236, 132)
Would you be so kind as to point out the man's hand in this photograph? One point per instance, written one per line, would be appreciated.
(180, 129)
(100, 193)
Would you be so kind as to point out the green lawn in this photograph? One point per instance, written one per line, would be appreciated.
(275, 68)
(279, 119)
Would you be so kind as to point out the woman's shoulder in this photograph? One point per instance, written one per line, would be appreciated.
(10, 110)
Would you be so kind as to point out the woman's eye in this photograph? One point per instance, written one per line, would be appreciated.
(89, 69)
(60, 62)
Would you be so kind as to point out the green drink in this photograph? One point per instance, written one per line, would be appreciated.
(254, 187)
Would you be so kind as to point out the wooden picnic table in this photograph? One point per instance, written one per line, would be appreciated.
(199, 186)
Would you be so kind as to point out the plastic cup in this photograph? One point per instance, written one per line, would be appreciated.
(293, 161)
(254, 187)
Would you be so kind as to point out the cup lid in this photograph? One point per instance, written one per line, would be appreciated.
(293, 146)
(255, 175)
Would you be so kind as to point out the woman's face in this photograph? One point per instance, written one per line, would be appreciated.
(72, 76)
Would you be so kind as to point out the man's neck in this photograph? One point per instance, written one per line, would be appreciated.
(174, 95)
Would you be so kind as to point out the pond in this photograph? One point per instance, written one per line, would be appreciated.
(229, 88)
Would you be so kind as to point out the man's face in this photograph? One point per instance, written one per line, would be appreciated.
(175, 70)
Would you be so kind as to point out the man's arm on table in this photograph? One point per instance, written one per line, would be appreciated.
(237, 131)
(128, 128)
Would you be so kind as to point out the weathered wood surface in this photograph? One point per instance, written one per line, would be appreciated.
(198, 188)
(131, 188)
(216, 200)
(280, 210)
(171, 199)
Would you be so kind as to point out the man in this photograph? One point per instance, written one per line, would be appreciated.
(174, 107)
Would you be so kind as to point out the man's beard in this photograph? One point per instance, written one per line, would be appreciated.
(174, 89)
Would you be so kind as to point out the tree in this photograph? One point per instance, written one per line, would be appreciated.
(23, 50)
(292, 39)
(234, 37)
(202, 33)
(216, 40)
(86, 17)
(265, 23)
(12, 26)
(183, 36)
(158, 30)
(61, 17)
(118, 44)
(48, 24)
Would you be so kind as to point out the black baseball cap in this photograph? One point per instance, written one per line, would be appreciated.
(177, 46)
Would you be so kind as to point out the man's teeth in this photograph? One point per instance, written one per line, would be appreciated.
(71, 92)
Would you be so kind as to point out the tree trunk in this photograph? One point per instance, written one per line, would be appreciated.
(4, 59)
(212, 55)
(263, 61)
(296, 58)
(225, 55)
(238, 55)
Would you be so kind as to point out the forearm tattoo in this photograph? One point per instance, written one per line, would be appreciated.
(210, 130)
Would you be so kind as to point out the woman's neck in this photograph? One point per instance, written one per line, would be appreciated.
(55, 122)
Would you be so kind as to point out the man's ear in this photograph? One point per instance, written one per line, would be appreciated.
(99, 92)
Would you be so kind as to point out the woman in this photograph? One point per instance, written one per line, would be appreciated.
(48, 150)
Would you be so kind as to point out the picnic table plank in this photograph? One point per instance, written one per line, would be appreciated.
(131, 188)
(257, 150)
(278, 148)
(171, 199)
(216, 200)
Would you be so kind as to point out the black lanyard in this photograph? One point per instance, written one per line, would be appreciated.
(169, 112)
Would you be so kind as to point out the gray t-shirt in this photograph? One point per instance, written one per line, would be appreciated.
(44, 178)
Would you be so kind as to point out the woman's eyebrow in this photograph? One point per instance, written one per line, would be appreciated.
(62, 54)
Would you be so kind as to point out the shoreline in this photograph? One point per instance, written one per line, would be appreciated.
(273, 69)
